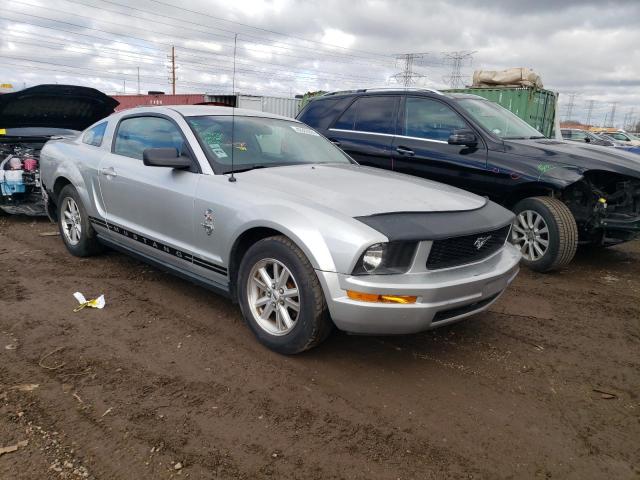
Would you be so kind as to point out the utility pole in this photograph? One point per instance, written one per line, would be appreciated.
(173, 70)
(455, 80)
(138, 80)
(124, 86)
(407, 76)
(590, 104)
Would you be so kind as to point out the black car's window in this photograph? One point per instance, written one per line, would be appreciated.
(370, 114)
(136, 134)
(94, 135)
(430, 119)
(319, 113)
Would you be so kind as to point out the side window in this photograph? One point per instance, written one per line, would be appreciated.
(430, 119)
(95, 135)
(578, 135)
(348, 118)
(136, 134)
(370, 114)
(620, 136)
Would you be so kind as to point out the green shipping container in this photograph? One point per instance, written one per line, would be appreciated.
(535, 106)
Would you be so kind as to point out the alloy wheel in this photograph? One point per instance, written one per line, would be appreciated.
(530, 233)
(273, 296)
(71, 221)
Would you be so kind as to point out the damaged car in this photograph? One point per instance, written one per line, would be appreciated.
(564, 194)
(265, 210)
(28, 119)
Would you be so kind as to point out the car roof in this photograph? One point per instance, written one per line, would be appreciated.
(203, 110)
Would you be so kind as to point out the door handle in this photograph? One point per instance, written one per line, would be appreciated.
(405, 151)
(108, 172)
(335, 142)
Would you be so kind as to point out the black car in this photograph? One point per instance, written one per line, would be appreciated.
(28, 119)
(563, 193)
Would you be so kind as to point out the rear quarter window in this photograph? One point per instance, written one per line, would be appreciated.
(322, 112)
(94, 135)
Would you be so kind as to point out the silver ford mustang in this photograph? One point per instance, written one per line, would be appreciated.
(267, 211)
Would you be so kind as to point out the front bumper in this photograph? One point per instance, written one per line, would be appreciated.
(444, 296)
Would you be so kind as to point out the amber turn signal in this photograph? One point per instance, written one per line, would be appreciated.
(375, 298)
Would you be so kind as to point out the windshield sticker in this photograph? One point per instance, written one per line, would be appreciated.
(240, 146)
(218, 151)
(3, 131)
(306, 131)
(213, 138)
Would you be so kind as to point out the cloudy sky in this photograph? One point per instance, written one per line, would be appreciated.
(284, 47)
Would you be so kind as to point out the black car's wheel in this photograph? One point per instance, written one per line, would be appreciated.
(281, 298)
(75, 229)
(546, 233)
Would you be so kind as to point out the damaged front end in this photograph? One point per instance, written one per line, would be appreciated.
(20, 187)
(606, 207)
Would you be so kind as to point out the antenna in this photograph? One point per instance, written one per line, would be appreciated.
(232, 178)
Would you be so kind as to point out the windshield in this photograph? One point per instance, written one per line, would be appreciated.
(261, 142)
(498, 120)
(37, 132)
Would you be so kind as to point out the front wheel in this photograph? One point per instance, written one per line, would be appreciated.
(281, 298)
(546, 233)
(75, 228)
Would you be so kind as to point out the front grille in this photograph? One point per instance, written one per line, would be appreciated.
(455, 251)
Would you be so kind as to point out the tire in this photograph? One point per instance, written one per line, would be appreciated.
(561, 233)
(306, 327)
(85, 243)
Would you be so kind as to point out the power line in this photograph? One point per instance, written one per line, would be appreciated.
(199, 13)
(407, 76)
(457, 59)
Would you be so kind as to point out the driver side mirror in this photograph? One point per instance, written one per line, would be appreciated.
(587, 140)
(463, 137)
(165, 157)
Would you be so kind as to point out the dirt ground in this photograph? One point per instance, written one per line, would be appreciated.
(167, 382)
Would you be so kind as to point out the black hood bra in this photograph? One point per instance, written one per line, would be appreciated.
(55, 106)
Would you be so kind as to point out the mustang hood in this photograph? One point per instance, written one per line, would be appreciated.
(55, 106)
(357, 191)
(583, 156)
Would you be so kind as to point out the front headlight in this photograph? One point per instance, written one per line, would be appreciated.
(386, 258)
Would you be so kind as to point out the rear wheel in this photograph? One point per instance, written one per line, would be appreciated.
(75, 229)
(546, 233)
(281, 298)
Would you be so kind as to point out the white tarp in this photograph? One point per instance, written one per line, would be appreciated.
(521, 76)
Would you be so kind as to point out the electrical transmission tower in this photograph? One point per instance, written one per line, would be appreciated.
(457, 59)
(408, 75)
(612, 114)
(627, 124)
(570, 104)
(590, 104)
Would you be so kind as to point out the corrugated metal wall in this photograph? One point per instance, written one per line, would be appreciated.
(287, 107)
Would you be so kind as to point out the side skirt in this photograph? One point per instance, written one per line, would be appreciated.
(218, 288)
